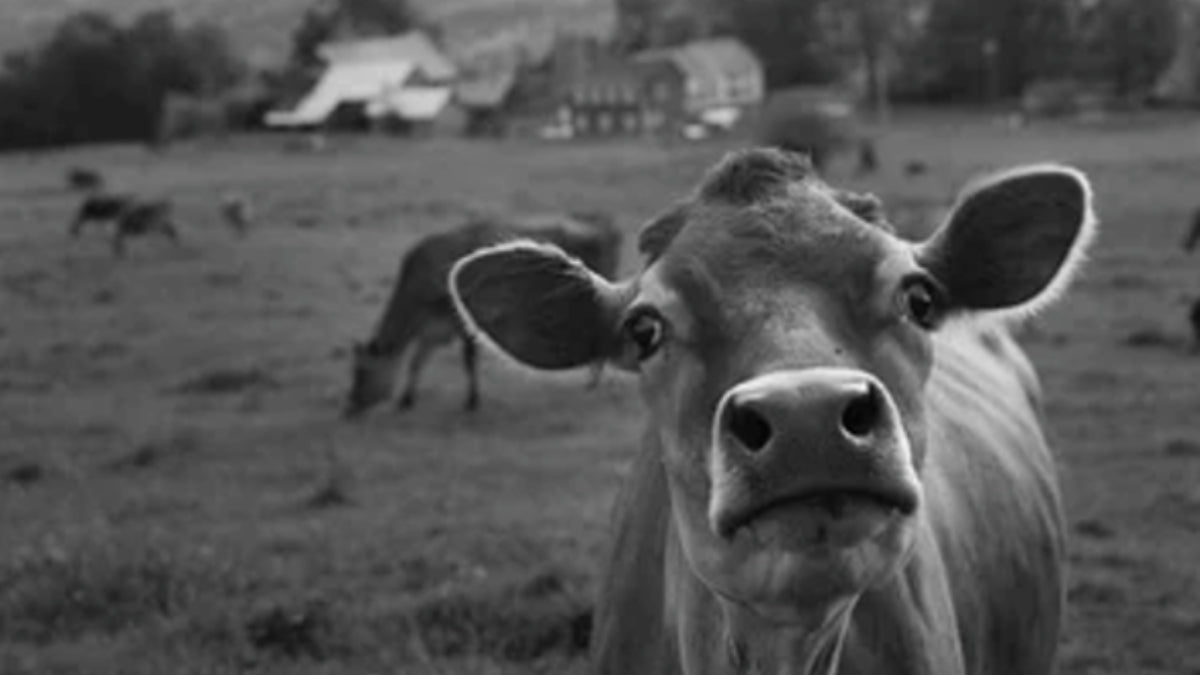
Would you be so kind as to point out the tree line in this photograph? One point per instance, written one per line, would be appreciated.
(98, 80)
(931, 50)
(95, 79)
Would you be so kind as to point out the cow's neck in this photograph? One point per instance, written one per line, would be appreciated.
(910, 625)
(397, 327)
(760, 646)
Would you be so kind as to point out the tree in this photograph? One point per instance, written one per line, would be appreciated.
(792, 37)
(95, 80)
(333, 19)
(1114, 46)
(1178, 79)
(986, 49)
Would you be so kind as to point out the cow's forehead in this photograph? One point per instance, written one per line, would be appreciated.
(804, 237)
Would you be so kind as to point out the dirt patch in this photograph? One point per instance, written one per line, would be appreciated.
(227, 381)
(25, 474)
(155, 452)
(1149, 338)
(1094, 529)
(303, 630)
(1182, 447)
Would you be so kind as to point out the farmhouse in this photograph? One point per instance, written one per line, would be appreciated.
(403, 79)
(487, 100)
(716, 79)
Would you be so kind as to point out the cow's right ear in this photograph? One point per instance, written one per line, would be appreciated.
(543, 308)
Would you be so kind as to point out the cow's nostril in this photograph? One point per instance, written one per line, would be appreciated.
(861, 415)
(749, 427)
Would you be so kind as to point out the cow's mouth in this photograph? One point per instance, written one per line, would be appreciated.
(825, 511)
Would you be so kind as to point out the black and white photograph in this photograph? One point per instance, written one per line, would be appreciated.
(600, 337)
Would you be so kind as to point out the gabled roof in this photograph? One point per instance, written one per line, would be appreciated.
(706, 60)
(487, 90)
(360, 71)
(413, 47)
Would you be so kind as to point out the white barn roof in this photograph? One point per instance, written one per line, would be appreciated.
(372, 72)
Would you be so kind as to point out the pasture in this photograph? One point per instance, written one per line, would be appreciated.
(178, 494)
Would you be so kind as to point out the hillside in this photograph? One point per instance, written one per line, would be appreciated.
(261, 28)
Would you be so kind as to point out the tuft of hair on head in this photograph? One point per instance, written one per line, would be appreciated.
(867, 207)
(746, 177)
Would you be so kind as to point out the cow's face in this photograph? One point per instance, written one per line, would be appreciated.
(783, 337)
(782, 348)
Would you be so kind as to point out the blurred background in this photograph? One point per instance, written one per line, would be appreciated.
(178, 490)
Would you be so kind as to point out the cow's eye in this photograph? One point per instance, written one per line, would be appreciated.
(645, 330)
(921, 302)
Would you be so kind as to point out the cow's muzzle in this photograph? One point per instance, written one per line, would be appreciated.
(824, 443)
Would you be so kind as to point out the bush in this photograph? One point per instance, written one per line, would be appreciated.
(95, 80)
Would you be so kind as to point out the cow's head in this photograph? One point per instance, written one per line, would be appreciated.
(372, 378)
(783, 337)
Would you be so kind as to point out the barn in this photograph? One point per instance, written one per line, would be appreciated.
(399, 81)
(716, 79)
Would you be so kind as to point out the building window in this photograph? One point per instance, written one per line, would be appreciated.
(603, 122)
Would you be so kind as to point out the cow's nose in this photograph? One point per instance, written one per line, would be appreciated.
(826, 409)
(817, 435)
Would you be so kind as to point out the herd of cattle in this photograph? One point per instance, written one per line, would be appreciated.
(844, 469)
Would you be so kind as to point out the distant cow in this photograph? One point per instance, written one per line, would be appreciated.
(131, 216)
(235, 210)
(420, 312)
(84, 179)
(844, 469)
(819, 132)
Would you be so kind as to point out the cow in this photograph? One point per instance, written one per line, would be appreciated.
(142, 218)
(822, 131)
(844, 469)
(99, 208)
(132, 217)
(236, 212)
(420, 313)
(84, 179)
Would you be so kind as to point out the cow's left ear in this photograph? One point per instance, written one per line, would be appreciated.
(1013, 240)
(540, 306)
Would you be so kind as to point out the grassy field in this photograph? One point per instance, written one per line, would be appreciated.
(178, 495)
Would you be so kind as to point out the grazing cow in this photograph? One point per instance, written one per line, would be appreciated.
(820, 131)
(99, 208)
(142, 218)
(420, 311)
(844, 469)
(132, 216)
(84, 179)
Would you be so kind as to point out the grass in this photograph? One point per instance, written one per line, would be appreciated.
(179, 495)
